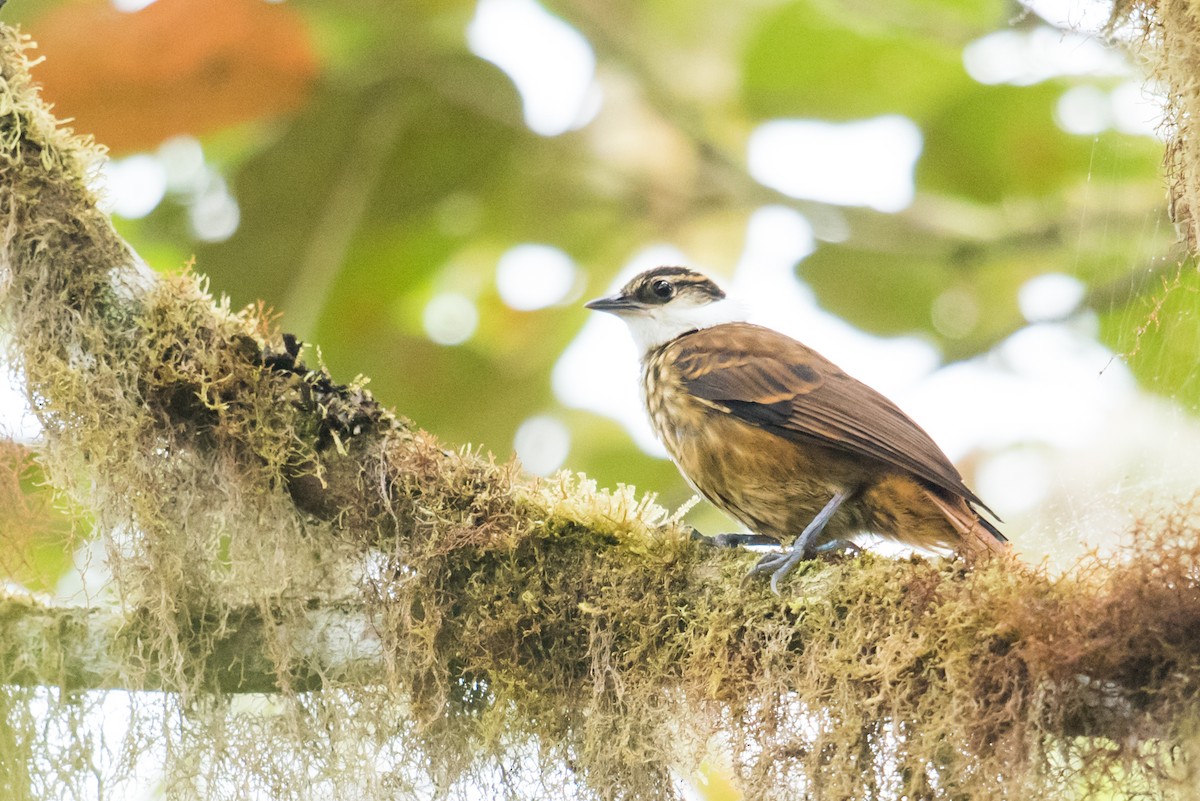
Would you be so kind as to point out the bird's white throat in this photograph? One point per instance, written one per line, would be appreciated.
(658, 325)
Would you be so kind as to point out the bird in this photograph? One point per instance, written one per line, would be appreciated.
(781, 439)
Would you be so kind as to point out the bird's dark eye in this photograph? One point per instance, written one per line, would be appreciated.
(663, 289)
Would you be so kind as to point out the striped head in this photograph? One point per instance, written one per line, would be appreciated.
(667, 302)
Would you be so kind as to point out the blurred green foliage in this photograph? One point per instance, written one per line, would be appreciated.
(409, 171)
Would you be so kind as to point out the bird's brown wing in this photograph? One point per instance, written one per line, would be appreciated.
(772, 381)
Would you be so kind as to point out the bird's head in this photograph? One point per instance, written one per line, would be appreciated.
(666, 302)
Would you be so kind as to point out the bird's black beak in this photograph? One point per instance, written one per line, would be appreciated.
(614, 304)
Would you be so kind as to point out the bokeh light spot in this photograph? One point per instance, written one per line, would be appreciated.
(1138, 109)
(865, 163)
(1024, 58)
(1084, 110)
(1051, 296)
(550, 62)
(542, 444)
(130, 6)
(1089, 16)
(450, 318)
(532, 277)
(1016, 480)
(182, 158)
(134, 186)
(955, 313)
(214, 213)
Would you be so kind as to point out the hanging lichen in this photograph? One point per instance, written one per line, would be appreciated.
(1167, 34)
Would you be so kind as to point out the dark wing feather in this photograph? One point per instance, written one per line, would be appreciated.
(772, 381)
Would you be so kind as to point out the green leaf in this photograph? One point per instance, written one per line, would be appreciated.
(805, 62)
(989, 142)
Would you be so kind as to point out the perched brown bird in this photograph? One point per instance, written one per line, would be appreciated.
(778, 437)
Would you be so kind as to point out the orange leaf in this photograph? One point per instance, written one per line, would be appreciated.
(177, 66)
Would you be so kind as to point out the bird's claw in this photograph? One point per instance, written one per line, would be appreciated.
(770, 562)
(780, 564)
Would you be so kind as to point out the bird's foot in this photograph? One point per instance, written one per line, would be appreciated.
(772, 561)
(803, 548)
(780, 564)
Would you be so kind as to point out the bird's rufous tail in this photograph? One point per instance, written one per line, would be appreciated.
(977, 537)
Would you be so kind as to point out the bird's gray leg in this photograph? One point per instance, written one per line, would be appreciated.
(781, 564)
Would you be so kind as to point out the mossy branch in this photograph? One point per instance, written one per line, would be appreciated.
(575, 632)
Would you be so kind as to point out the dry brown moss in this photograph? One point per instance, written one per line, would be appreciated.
(540, 640)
